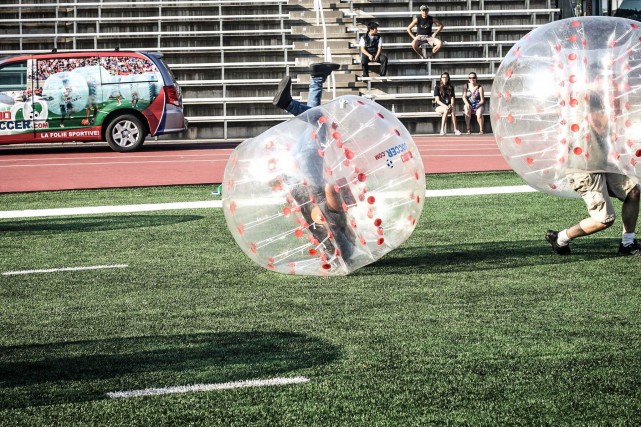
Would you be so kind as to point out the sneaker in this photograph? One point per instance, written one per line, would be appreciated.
(442, 133)
(457, 132)
(283, 96)
(634, 249)
(551, 237)
(323, 69)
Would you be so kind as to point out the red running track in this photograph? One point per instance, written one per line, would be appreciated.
(56, 167)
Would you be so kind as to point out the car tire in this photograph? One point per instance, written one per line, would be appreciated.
(125, 133)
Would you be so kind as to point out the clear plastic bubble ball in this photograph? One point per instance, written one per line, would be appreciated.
(98, 82)
(66, 92)
(566, 99)
(326, 192)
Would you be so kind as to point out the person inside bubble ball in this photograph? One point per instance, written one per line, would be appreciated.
(325, 216)
(590, 179)
(473, 99)
(445, 102)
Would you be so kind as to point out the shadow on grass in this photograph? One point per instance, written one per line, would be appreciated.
(487, 256)
(90, 224)
(44, 374)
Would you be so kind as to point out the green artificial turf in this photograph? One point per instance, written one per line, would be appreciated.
(473, 321)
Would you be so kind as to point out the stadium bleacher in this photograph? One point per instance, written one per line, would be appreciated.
(229, 55)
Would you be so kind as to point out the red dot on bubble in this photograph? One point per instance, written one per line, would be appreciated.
(628, 123)
(633, 162)
(322, 119)
(349, 154)
(241, 229)
(510, 118)
(572, 38)
(397, 132)
(529, 160)
(572, 78)
(380, 115)
(577, 151)
(371, 200)
(287, 211)
(575, 127)
(252, 248)
(518, 140)
(572, 56)
(360, 102)
(339, 144)
(378, 222)
(638, 153)
(326, 266)
(380, 241)
(575, 24)
(298, 232)
(574, 102)
(336, 135)
(313, 252)
(558, 47)
(270, 266)
(362, 177)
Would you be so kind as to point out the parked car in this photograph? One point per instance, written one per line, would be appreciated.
(118, 97)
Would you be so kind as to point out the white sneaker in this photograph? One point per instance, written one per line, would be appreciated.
(442, 133)
(457, 132)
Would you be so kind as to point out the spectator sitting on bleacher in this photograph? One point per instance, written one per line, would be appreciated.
(473, 98)
(445, 102)
(371, 47)
(424, 34)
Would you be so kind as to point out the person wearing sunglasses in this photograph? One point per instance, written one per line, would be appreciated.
(445, 102)
(473, 99)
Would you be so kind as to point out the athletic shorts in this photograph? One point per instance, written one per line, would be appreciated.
(596, 188)
(425, 39)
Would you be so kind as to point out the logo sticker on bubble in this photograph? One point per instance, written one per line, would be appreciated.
(310, 196)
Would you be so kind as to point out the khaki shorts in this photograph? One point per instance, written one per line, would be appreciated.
(596, 189)
(425, 39)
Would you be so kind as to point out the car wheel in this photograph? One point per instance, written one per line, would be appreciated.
(125, 133)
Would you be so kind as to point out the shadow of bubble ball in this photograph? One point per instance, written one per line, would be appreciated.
(567, 99)
(326, 192)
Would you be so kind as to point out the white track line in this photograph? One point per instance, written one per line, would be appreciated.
(31, 213)
(53, 270)
(207, 387)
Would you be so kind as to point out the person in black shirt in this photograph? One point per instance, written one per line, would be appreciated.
(424, 33)
(371, 47)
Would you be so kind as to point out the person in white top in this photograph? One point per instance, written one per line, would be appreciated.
(371, 49)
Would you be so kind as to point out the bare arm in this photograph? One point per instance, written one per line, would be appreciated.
(439, 29)
(482, 95)
(412, 25)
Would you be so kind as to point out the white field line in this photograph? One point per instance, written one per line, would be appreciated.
(53, 270)
(31, 213)
(207, 387)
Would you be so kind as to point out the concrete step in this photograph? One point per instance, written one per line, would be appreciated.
(306, 61)
(309, 4)
(316, 32)
(310, 16)
(317, 48)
